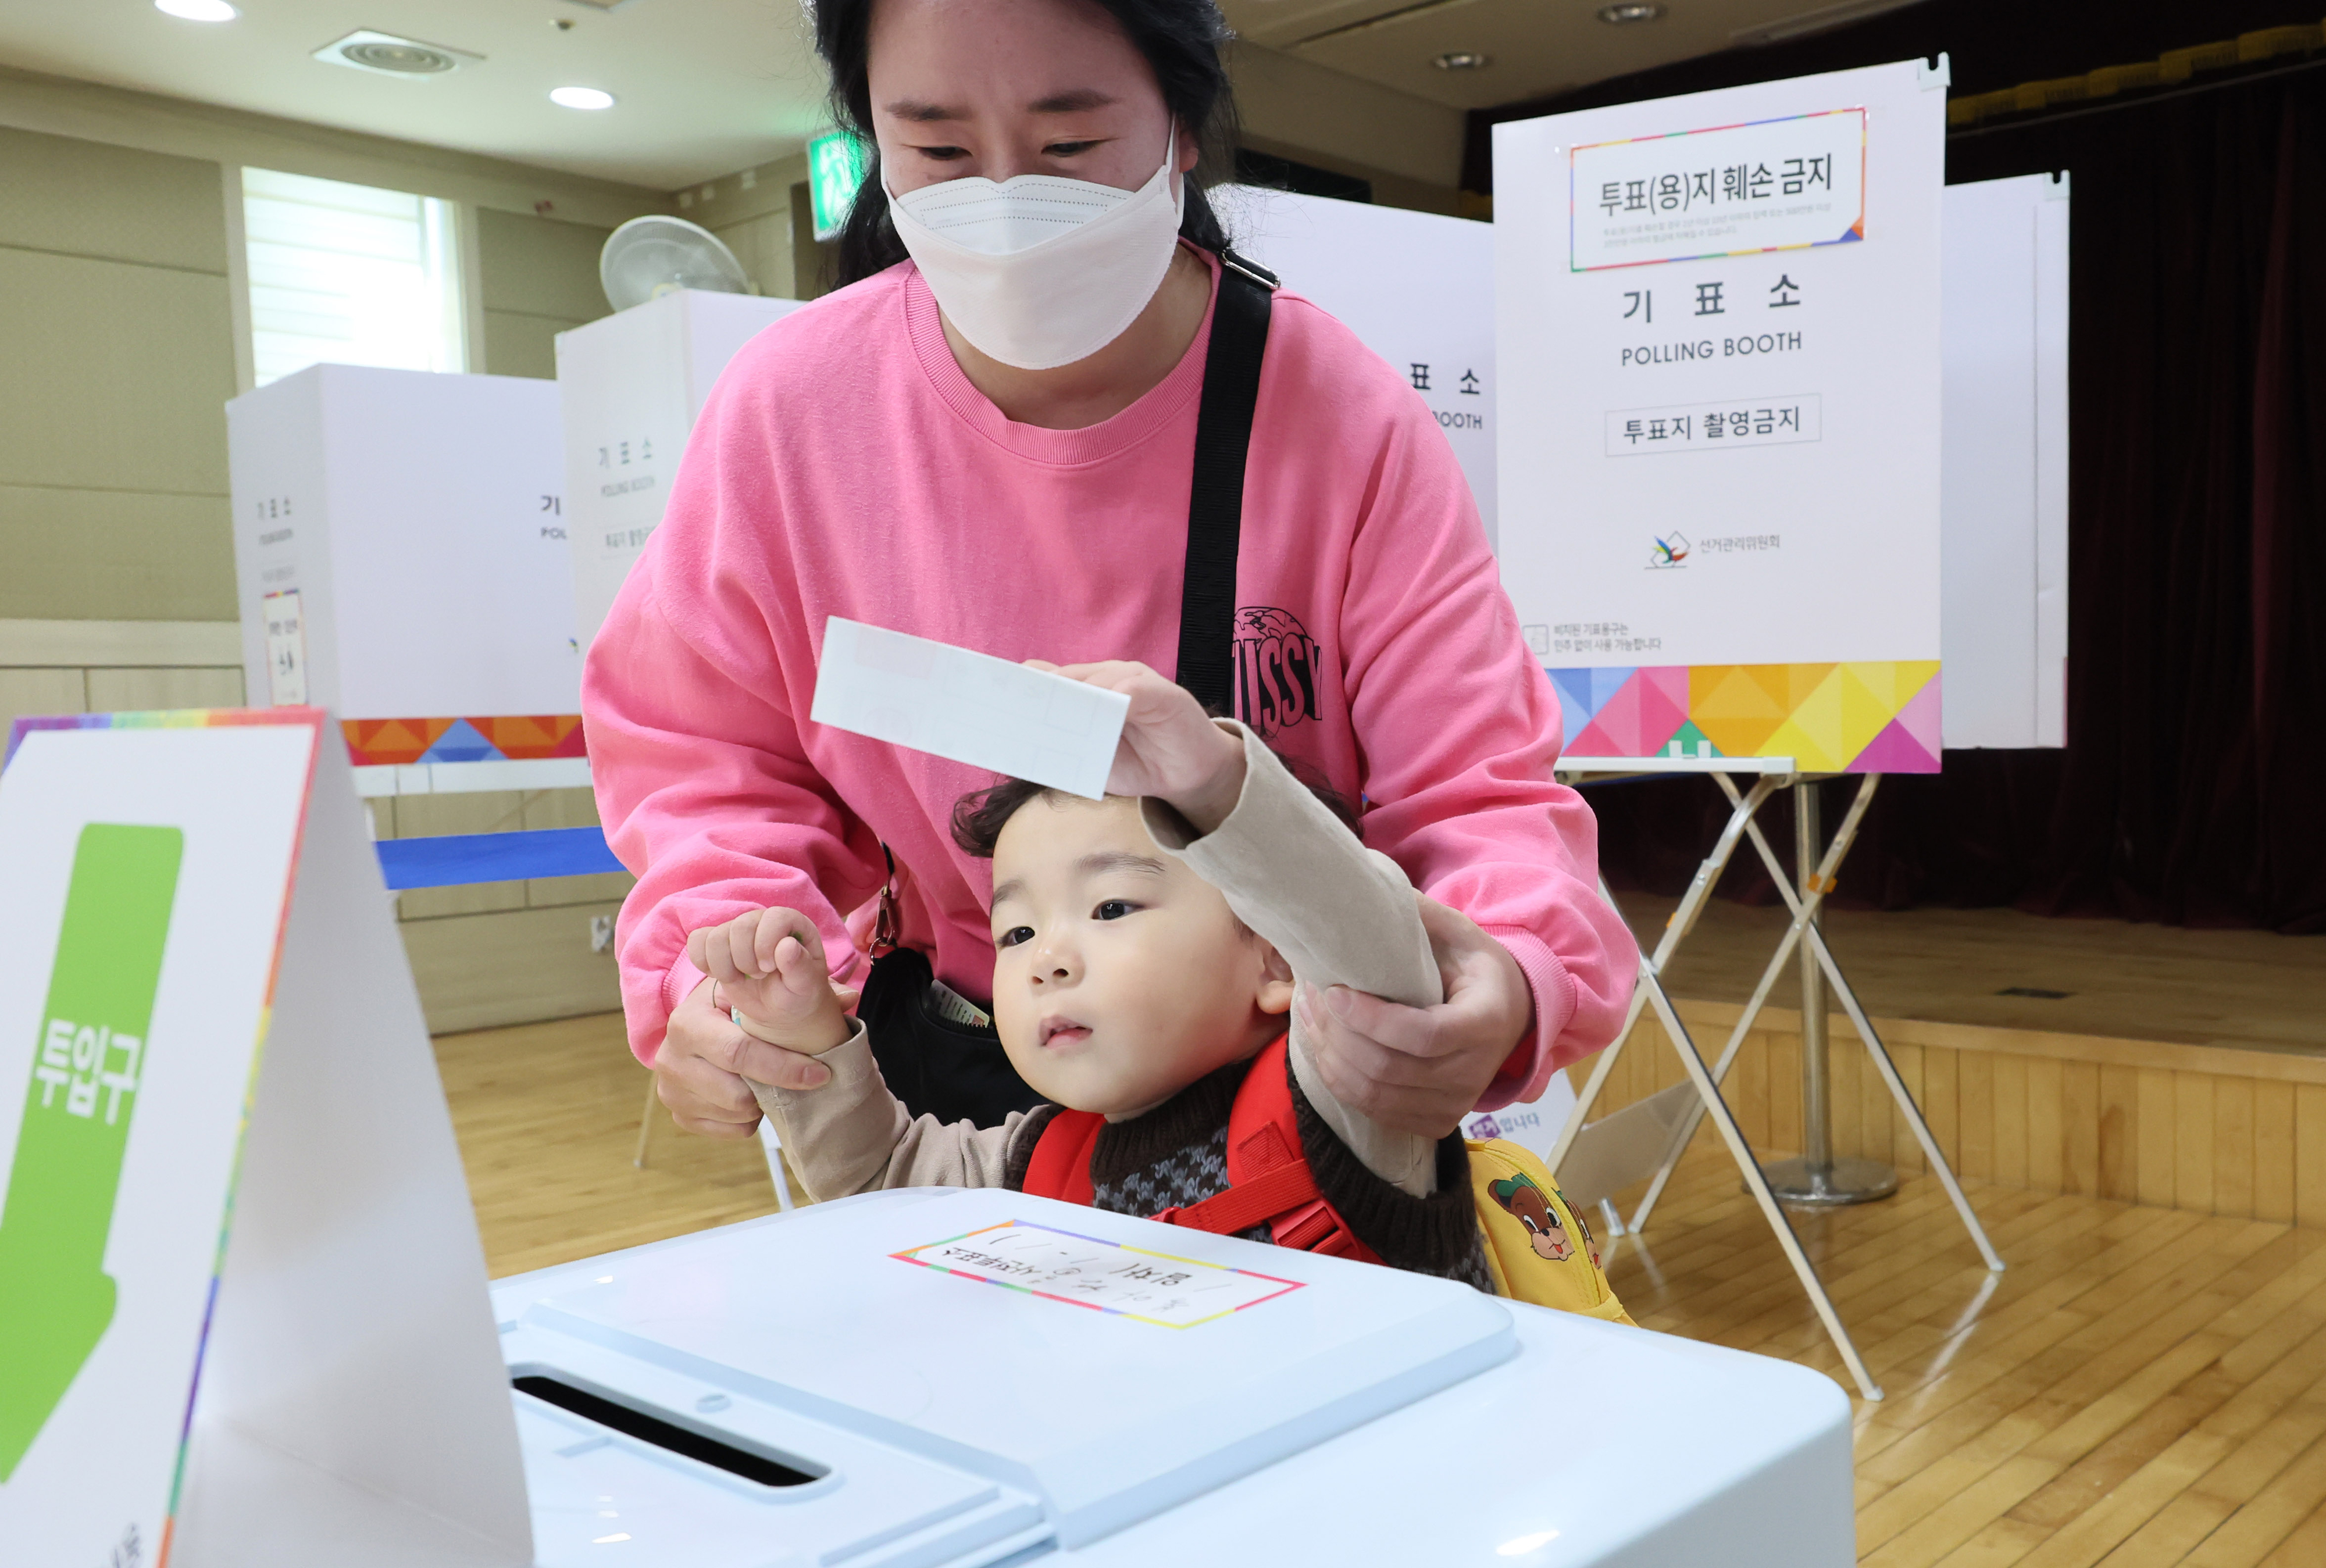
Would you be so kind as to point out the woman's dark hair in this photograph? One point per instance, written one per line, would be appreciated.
(1180, 40)
(979, 816)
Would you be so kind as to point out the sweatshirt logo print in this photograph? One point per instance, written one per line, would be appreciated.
(1276, 670)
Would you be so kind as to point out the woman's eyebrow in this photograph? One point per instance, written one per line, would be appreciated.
(1072, 102)
(917, 110)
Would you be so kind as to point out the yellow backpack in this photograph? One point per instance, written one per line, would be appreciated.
(1537, 1247)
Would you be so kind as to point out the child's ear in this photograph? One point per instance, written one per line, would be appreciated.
(1275, 994)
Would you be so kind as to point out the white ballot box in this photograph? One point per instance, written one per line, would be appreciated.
(400, 560)
(631, 384)
(943, 1377)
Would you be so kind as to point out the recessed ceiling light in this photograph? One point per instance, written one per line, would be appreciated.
(197, 10)
(1461, 59)
(1630, 11)
(581, 97)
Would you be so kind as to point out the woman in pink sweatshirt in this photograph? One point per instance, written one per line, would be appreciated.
(986, 438)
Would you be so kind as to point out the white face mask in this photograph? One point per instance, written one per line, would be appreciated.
(1039, 272)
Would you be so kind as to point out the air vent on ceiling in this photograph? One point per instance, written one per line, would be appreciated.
(388, 55)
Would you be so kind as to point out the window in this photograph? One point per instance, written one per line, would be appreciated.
(349, 275)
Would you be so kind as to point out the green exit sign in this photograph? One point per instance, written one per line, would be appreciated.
(836, 168)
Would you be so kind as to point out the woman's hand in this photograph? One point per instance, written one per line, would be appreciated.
(1170, 748)
(1421, 1069)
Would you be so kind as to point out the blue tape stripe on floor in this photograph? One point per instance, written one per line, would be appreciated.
(457, 859)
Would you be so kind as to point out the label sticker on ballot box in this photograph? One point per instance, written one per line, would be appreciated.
(1155, 1287)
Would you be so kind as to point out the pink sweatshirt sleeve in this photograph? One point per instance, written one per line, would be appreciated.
(691, 698)
(1460, 729)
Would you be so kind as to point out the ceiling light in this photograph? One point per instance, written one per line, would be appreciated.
(581, 97)
(1630, 11)
(1461, 59)
(197, 10)
(385, 54)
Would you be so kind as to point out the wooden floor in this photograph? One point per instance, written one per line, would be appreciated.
(2140, 1386)
(2143, 1385)
(2249, 989)
(547, 1116)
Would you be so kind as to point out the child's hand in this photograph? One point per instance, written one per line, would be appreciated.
(770, 967)
(1170, 748)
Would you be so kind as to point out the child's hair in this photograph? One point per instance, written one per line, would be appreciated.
(979, 816)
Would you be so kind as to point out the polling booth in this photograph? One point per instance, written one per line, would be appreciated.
(2002, 522)
(401, 560)
(1797, 417)
(1415, 288)
(628, 388)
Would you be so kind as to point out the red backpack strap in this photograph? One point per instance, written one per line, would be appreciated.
(1269, 1178)
(1059, 1167)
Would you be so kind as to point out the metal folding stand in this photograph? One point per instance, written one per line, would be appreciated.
(1817, 1178)
(1774, 773)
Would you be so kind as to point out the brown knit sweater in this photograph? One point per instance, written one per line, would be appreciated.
(1177, 1155)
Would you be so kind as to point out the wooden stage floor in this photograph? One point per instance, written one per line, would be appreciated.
(2143, 1385)
(2249, 989)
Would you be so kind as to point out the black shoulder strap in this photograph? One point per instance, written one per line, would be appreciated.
(1215, 504)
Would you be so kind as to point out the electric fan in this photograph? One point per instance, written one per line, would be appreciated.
(647, 257)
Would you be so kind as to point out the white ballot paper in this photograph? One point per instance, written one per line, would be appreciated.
(968, 708)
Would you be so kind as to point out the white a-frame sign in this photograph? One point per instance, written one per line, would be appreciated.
(243, 1315)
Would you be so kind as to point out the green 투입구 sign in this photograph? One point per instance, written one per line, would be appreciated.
(836, 168)
(75, 1118)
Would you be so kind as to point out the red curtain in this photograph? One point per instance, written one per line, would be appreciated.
(2193, 788)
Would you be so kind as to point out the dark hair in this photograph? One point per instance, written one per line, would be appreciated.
(1180, 40)
(979, 816)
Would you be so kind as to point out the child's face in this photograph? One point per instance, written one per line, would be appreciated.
(1119, 977)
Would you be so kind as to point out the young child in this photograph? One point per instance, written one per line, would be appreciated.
(1148, 950)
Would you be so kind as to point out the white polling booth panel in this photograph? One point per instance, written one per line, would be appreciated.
(1415, 287)
(1416, 284)
(2004, 605)
(1717, 329)
(400, 560)
(631, 384)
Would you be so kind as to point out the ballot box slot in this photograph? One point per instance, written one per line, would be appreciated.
(609, 1410)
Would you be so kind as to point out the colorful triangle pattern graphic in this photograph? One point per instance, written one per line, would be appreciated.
(375, 742)
(1868, 717)
(1582, 692)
